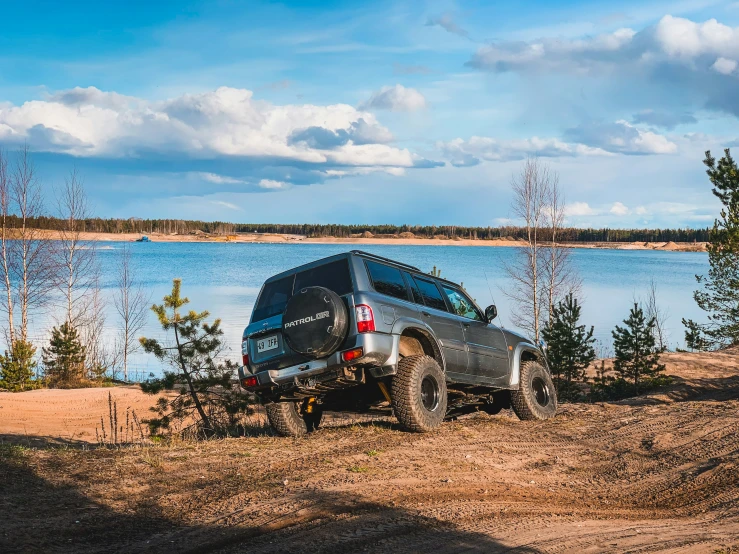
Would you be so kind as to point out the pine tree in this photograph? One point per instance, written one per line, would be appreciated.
(569, 347)
(204, 390)
(720, 294)
(637, 355)
(64, 359)
(18, 367)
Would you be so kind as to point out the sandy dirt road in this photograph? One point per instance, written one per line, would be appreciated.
(655, 474)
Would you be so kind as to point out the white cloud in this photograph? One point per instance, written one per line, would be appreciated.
(641, 210)
(578, 209)
(469, 152)
(218, 179)
(273, 185)
(621, 137)
(223, 204)
(225, 123)
(692, 56)
(397, 98)
(724, 66)
(619, 209)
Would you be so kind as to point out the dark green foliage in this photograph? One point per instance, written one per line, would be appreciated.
(719, 296)
(570, 234)
(637, 355)
(695, 340)
(569, 348)
(18, 367)
(206, 400)
(64, 359)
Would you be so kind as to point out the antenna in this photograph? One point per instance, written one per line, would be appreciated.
(490, 290)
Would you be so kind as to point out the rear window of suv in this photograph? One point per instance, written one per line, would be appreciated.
(275, 295)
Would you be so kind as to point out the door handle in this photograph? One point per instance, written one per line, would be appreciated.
(426, 314)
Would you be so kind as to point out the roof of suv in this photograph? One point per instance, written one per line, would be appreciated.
(361, 254)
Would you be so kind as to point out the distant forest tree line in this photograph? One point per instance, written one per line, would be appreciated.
(180, 226)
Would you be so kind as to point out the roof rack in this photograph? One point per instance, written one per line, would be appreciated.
(376, 257)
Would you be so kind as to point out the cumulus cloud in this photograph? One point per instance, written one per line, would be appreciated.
(663, 119)
(397, 98)
(724, 66)
(446, 22)
(619, 209)
(578, 209)
(701, 58)
(226, 124)
(462, 153)
(620, 137)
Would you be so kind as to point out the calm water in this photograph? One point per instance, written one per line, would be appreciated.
(225, 279)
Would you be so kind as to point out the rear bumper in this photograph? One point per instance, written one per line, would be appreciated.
(380, 350)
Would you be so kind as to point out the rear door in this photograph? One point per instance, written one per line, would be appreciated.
(446, 327)
(487, 351)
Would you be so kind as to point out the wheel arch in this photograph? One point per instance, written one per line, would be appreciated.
(407, 330)
(524, 351)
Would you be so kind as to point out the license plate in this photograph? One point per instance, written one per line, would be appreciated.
(267, 343)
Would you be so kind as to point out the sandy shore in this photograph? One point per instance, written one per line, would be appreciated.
(280, 238)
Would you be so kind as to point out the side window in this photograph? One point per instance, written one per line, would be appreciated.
(387, 280)
(461, 305)
(430, 294)
(417, 298)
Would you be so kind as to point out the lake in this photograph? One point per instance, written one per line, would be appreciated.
(225, 279)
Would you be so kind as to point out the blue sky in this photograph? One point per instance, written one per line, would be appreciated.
(383, 112)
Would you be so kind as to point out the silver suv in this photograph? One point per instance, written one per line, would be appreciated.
(359, 332)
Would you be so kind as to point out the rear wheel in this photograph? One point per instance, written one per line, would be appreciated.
(287, 419)
(419, 395)
(536, 397)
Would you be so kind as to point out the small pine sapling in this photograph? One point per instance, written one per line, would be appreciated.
(206, 400)
(569, 347)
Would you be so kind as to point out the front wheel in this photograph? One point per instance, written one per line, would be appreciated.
(419, 396)
(536, 397)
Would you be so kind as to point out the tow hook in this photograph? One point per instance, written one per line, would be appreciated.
(310, 404)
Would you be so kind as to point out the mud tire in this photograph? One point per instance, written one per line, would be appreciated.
(286, 420)
(536, 398)
(419, 395)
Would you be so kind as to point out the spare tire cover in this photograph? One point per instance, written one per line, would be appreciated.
(315, 322)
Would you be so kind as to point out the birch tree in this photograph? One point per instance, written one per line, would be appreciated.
(76, 255)
(560, 277)
(5, 246)
(131, 302)
(530, 193)
(30, 253)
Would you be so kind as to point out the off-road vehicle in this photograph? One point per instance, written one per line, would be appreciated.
(359, 332)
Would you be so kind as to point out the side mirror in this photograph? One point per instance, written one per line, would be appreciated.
(491, 312)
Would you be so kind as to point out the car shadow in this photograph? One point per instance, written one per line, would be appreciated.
(41, 516)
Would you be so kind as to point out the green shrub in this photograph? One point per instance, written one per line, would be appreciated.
(18, 367)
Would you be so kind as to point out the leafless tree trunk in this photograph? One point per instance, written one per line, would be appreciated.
(78, 267)
(560, 277)
(653, 311)
(132, 303)
(5, 253)
(530, 193)
(98, 358)
(31, 248)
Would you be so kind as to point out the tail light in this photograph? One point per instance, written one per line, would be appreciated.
(249, 382)
(365, 319)
(245, 352)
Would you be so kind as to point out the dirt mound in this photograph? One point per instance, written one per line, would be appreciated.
(367, 235)
(407, 235)
(670, 246)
